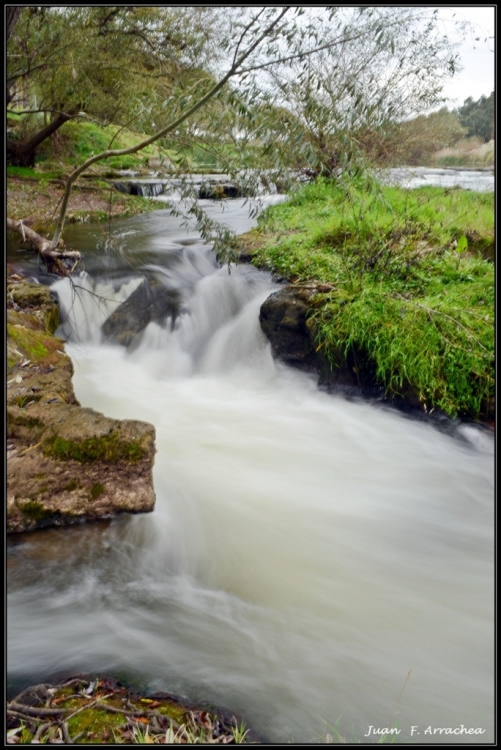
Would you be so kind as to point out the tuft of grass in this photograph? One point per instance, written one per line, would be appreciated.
(106, 448)
(413, 295)
(13, 171)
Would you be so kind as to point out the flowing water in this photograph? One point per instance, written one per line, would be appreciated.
(305, 552)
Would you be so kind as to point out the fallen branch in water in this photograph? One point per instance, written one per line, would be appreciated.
(42, 245)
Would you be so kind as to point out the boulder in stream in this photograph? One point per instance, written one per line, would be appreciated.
(151, 301)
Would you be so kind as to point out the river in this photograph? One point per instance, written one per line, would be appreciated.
(306, 552)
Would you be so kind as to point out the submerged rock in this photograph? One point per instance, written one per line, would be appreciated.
(151, 301)
(64, 463)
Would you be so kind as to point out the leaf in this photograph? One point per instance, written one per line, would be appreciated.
(462, 245)
(13, 732)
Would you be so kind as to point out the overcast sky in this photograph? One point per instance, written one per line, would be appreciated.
(477, 57)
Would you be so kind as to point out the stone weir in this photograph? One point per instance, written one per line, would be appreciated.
(212, 189)
(146, 188)
(65, 463)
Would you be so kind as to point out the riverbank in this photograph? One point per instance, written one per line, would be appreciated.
(391, 291)
(35, 196)
(99, 710)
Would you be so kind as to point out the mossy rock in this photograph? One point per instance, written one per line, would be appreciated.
(38, 296)
(65, 464)
(106, 448)
(114, 714)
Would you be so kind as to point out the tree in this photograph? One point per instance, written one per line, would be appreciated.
(249, 63)
(107, 63)
(415, 140)
(11, 18)
(478, 117)
(349, 96)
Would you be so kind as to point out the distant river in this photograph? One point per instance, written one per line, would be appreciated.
(480, 180)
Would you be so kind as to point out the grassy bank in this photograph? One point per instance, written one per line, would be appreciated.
(35, 196)
(413, 289)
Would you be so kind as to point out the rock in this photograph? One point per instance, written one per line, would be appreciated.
(149, 302)
(283, 318)
(72, 464)
(65, 464)
(37, 297)
(146, 189)
(122, 187)
(223, 190)
(158, 715)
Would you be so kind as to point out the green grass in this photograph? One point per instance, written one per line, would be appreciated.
(84, 139)
(13, 171)
(412, 293)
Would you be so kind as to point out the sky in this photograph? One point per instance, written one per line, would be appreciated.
(477, 57)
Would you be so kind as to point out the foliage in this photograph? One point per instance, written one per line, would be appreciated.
(410, 290)
(478, 116)
(390, 64)
(296, 90)
(415, 141)
(470, 152)
(114, 64)
(84, 139)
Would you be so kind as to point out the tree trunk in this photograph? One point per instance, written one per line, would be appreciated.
(11, 19)
(23, 154)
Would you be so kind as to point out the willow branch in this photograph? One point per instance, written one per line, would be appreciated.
(234, 70)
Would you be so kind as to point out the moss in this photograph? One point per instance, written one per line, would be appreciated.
(96, 490)
(32, 342)
(94, 723)
(72, 485)
(34, 511)
(173, 711)
(107, 448)
(21, 418)
(51, 319)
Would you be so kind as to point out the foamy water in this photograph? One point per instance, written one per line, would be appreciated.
(305, 552)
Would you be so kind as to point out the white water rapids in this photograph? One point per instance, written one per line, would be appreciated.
(305, 552)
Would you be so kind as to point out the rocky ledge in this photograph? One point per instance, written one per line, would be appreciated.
(65, 463)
